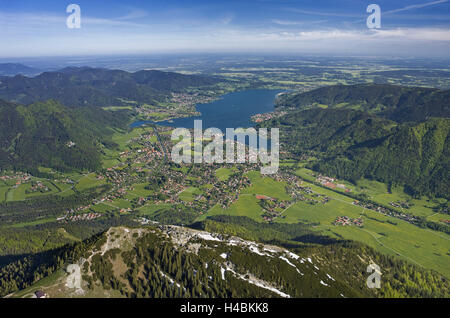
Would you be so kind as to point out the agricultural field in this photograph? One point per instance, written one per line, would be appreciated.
(139, 190)
(36, 222)
(223, 174)
(266, 186)
(18, 192)
(378, 192)
(189, 194)
(423, 247)
(89, 181)
(3, 191)
(246, 205)
(390, 235)
(150, 209)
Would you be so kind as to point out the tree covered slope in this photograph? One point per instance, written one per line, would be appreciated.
(52, 135)
(387, 134)
(397, 103)
(170, 261)
(11, 69)
(97, 87)
(416, 156)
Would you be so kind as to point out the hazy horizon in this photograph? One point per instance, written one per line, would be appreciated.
(417, 28)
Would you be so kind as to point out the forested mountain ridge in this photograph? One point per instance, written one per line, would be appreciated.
(356, 141)
(52, 135)
(86, 86)
(397, 103)
(416, 156)
(169, 261)
(329, 130)
(11, 69)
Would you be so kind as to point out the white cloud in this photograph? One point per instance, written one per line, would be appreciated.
(414, 34)
(298, 23)
(323, 13)
(46, 34)
(134, 14)
(416, 6)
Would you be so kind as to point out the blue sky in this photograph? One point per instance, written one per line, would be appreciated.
(337, 27)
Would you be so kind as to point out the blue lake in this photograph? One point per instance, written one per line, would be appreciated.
(233, 110)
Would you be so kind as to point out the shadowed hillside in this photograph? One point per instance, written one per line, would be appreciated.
(97, 87)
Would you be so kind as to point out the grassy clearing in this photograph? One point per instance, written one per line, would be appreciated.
(36, 222)
(121, 204)
(223, 174)
(115, 108)
(266, 186)
(423, 247)
(246, 205)
(53, 190)
(68, 235)
(305, 174)
(45, 282)
(3, 191)
(19, 193)
(89, 181)
(102, 208)
(189, 194)
(378, 192)
(150, 209)
(140, 191)
(66, 189)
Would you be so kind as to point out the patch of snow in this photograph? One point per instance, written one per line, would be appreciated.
(224, 255)
(287, 261)
(233, 243)
(330, 277)
(292, 255)
(254, 249)
(271, 289)
(222, 271)
(324, 284)
(261, 284)
(169, 278)
(207, 237)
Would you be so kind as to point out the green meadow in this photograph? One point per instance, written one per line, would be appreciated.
(266, 186)
(19, 193)
(189, 194)
(423, 247)
(3, 191)
(89, 181)
(150, 209)
(223, 174)
(378, 192)
(246, 205)
(390, 235)
(36, 222)
(139, 191)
